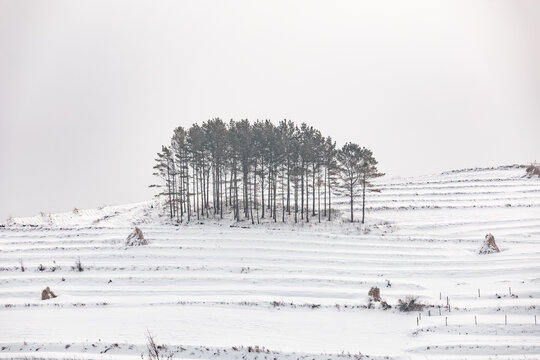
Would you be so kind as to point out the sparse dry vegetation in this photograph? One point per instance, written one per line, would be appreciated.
(410, 304)
(154, 351)
(78, 265)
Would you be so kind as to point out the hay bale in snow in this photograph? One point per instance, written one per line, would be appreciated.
(47, 294)
(489, 245)
(136, 238)
(375, 293)
(533, 170)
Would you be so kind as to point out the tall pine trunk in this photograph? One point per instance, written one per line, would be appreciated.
(363, 197)
(352, 197)
(288, 186)
(302, 191)
(313, 190)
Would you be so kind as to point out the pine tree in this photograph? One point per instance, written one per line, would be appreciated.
(260, 170)
(369, 171)
(350, 162)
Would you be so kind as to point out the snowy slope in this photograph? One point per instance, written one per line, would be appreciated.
(300, 291)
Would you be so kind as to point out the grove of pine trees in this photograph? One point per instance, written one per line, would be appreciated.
(259, 171)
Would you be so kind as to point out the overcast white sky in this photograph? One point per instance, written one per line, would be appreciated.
(89, 90)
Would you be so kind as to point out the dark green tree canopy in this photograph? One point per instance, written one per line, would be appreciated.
(259, 170)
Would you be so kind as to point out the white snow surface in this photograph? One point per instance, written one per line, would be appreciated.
(217, 289)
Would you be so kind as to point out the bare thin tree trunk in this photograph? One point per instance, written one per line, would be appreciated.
(302, 192)
(237, 211)
(313, 191)
(262, 189)
(188, 195)
(296, 198)
(282, 199)
(363, 197)
(325, 181)
(275, 189)
(307, 195)
(251, 204)
(329, 198)
(319, 196)
(352, 196)
(255, 193)
(288, 186)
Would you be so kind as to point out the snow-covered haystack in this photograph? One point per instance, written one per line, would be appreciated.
(47, 294)
(533, 170)
(489, 246)
(136, 238)
(375, 293)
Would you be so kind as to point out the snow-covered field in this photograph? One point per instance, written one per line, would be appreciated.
(270, 291)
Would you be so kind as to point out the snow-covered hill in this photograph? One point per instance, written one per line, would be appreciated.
(213, 288)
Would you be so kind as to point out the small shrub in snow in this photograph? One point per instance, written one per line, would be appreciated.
(22, 265)
(41, 267)
(136, 238)
(489, 246)
(410, 304)
(78, 265)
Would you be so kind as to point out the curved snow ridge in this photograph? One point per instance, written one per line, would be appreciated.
(129, 214)
(99, 350)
